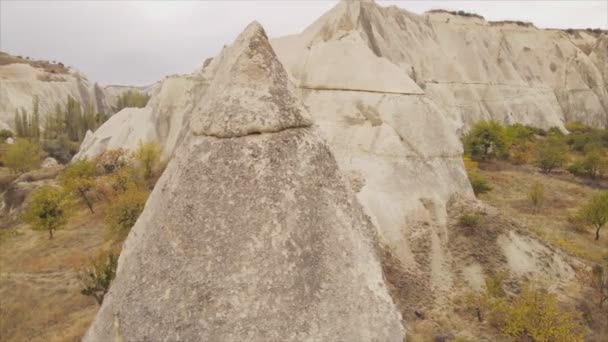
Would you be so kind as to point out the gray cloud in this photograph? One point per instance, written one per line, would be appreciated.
(139, 42)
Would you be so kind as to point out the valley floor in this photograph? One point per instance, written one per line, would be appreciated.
(40, 296)
(39, 291)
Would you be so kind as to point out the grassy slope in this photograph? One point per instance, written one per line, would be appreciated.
(564, 195)
(39, 292)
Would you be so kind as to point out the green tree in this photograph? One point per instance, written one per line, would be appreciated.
(97, 277)
(595, 212)
(123, 211)
(552, 154)
(35, 120)
(594, 163)
(23, 156)
(5, 134)
(47, 209)
(26, 124)
(148, 155)
(18, 124)
(79, 178)
(486, 140)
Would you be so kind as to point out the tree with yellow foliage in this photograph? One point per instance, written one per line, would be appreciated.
(48, 209)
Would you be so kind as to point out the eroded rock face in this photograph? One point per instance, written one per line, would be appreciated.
(476, 70)
(22, 80)
(250, 237)
(392, 91)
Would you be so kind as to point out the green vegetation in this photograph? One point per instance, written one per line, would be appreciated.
(5, 134)
(552, 154)
(47, 210)
(486, 140)
(478, 183)
(123, 211)
(148, 155)
(79, 178)
(533, 315)
(23, 156)
(595, 212)
(97, 277)
(470, 220)
(132, 98)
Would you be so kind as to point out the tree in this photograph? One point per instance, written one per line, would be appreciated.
(123, 211)
(536, 195)
(148, 155)
(47, 209)
(18, 124)
(79, 178)
(486, 140)
(35, 120)
(552, 154)
(594, 164)
(97, 277)
(23, 156)
(25, 123)
(595, 212)
(5, 134)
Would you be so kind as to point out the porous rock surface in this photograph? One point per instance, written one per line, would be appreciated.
(247, 236)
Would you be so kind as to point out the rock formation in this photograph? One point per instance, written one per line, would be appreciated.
(391, 91)
(22, 79)
(474, 69)
(251, 233)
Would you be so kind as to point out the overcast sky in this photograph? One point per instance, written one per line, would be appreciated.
(139, 42)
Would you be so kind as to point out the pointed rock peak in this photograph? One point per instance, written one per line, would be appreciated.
(250, 92)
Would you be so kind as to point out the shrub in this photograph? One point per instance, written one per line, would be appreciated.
(123, 211)
(522, 153)
(486, 140)
(551, 155)
(132, 98)
(577, 127)
(469, 220)
(593, 165)
(555, 133)
(47, 209)
(5, 134)
(97, 277)
(536, 196)
(112, 160)
(79, 178)
(595, 212)
(23, 156)
(148, 155)
(518, 134)
(536, 315)
(61, 148)
(478, 183)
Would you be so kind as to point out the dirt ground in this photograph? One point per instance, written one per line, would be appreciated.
(564, 195)
(40, 297)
